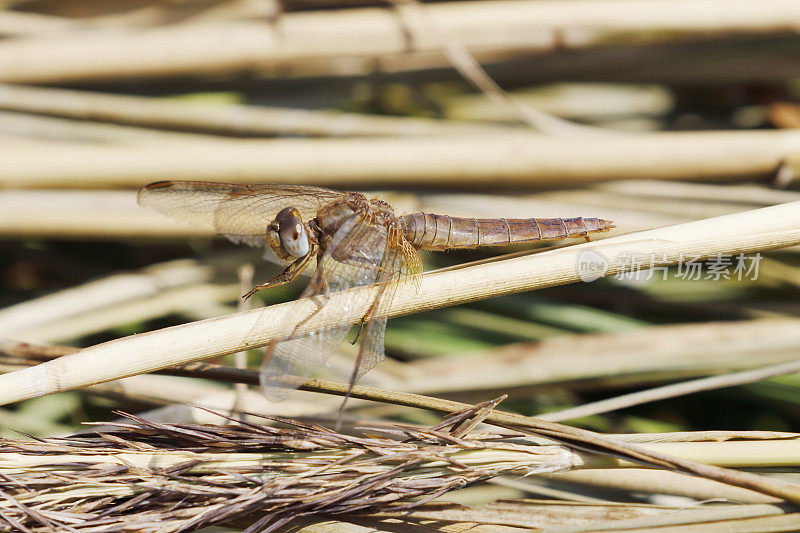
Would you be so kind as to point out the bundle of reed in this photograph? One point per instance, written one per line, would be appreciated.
(144, 476)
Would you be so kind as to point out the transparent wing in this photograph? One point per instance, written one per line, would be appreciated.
(360, 253)
(239, 212)
(400, 262)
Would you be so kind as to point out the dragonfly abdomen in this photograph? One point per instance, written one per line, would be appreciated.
(440, 232)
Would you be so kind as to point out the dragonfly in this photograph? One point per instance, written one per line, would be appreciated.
(355, 240)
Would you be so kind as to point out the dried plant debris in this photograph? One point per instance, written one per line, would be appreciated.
(148, 477)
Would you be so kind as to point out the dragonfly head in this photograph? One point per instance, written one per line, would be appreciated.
(287, 235)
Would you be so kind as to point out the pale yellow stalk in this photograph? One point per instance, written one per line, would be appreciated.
(761, 229)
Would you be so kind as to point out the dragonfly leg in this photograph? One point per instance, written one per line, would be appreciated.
(323, 295)
(321, 300)
(364, 319)
(288, 275)
(358, 333)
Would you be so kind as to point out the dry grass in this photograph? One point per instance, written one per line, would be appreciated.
(144, 476)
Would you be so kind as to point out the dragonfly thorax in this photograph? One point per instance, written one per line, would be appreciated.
(288, 236)
(333, 216)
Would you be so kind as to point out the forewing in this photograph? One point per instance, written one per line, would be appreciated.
(355, 257)
(239, 212)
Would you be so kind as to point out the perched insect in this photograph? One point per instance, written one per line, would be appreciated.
(355, 240)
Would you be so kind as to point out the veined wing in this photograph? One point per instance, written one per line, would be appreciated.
(288, 364)
(401, 263)
(239, 212)
(361, 252)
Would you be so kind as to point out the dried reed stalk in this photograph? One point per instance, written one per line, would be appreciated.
(59, 130)
(750, 194)
(222, 118)
(513, 159)
(622, 453)
(647, 480)
(181, 300)
(101, 294)
(314, 40)
(65, 214)
(674, 390)
(553, 516)
(150, 477)
(121, 15)
(656, 351)
(590, 102)
(148, 388)
(19, 24)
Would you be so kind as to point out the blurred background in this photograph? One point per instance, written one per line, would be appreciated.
(644, 112)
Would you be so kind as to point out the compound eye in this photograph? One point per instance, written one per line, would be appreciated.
(292, 232)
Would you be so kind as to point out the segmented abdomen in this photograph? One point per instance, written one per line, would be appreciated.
(428, 231)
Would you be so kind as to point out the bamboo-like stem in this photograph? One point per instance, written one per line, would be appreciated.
(512, 159)
(590, 102)
(761, 229)
(692, 209)
(82, 214)
(742, 194)
(32, 24)
(96, 295)
(160, 390)
(502, 27)
(28, 354)
(245, 273)
(659, 482)
(733, 454)
(179, 300)
(27, 125)
(723, 519)
(18, 24)
(223, 118)
(618, 447)
(547, 515)
(678, 349)
(128, 16)
(676, 389)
